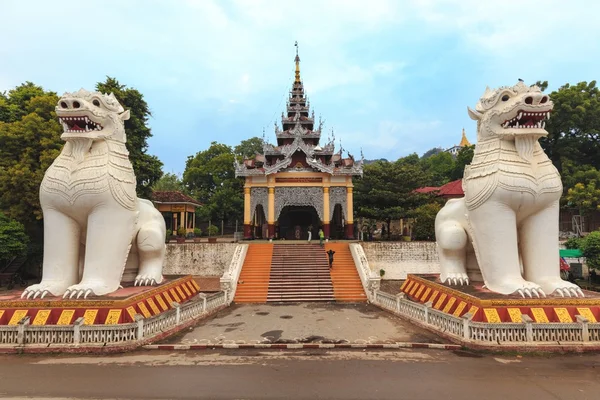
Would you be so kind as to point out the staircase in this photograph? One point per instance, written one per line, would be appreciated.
(299, 272)
(253, 283)
(347, 285)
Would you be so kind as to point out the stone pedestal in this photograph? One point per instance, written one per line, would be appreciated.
(118, 307)
(487, 306)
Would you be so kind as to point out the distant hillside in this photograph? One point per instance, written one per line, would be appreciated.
(372, 161)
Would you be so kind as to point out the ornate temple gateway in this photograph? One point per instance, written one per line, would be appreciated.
(298, 184)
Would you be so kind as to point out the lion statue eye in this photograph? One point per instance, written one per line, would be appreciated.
(96, 102)
(505, 97)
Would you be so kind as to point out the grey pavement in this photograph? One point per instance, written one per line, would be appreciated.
(313, 374)
(304, 323)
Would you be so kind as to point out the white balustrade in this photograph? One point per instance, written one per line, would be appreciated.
(489, 333)
(143, 328)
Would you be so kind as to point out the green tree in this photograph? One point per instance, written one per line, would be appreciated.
(29, 143)
(574, 126)
(440, 167)
(210, 178)
(169, 182)
(424, 227)
(147, 168)
(463, 158)
(249, 148)
(16, 105)
(591, 249)
(386, 190)
(13, 239)
(585, 197)
(574, 173)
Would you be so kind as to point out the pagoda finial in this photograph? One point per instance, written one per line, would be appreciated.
(297, 59)
(464, 141)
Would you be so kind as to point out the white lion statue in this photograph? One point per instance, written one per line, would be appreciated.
(505, 230)
(93, 222)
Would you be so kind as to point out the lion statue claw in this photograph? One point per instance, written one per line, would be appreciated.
(505, 230)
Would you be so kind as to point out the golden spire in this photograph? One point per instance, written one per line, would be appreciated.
(297, 59)
(464, 141)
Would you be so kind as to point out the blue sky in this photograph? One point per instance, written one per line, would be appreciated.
(391, 77)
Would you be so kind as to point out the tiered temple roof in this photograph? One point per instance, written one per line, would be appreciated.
(298, 146)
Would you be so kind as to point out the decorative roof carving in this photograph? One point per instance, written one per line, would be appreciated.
(305, 138)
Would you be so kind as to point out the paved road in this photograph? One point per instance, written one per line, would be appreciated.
(408, 374)
(305, 323)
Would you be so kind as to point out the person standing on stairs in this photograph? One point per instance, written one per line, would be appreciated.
(321, 237)
(310, 228)
(330, 254)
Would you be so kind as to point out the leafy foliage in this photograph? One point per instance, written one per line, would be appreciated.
(591, 249)
(13, 239)
(210, 178)
(147, 168)
(169, 182)
(574, 243)
(29, 142)
(440, 167)
(248, 148)
(586, 197)
(386, 191)
(574, 128)
(424, 227)
(213, 230)
(463, 158)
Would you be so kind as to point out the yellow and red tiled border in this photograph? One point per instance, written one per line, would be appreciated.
(103, 311)
(457, 303)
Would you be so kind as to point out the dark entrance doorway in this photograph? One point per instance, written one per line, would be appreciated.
(260, 230)
(336, 227)
(295, 220)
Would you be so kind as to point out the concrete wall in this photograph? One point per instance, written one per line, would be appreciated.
(203, 259)
(396, 258)
(400, 258)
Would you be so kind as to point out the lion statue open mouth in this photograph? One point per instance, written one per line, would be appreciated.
(95, 227)
(505, 230)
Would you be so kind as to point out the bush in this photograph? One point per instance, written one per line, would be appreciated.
(424, 228)
(213, 230)
(181, 231)
(13, 239)
(591, 249)
(574, 243)
(197, 232)
(169, 234)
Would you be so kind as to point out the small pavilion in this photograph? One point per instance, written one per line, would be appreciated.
(178, 209)
(297, 184)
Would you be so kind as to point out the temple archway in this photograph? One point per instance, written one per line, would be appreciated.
(294, 221)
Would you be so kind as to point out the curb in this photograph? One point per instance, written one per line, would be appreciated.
(302, 346)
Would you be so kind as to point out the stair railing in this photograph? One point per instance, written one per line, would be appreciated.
(231, 276)
(369, 279)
